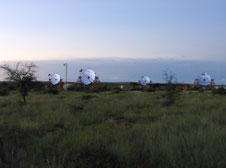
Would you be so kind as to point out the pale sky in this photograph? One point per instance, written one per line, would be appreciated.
(72, 29)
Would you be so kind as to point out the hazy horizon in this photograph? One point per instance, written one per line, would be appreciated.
(131, 70)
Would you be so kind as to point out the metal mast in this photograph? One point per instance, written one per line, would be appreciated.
(65, 73)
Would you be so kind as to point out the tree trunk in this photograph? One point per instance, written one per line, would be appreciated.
(24, 97)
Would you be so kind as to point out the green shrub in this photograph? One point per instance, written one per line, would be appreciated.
(38, 86)
(201, 90)
(12, 87)
(116, 91)
(51, 90)
(170, 95)
(149, 89)
(101, 88)
(71, 88)
(88, 97)
(4, 92)
(93, 157)
(133, 84)
(79, 88)
(220, 91)
(135, 88)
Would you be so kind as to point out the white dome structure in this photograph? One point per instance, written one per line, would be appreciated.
(204, 79)
(55, 79)
(145, 80)
(88, 76)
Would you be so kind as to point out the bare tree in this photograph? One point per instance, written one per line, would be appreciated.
(169, 76)
(22, 75)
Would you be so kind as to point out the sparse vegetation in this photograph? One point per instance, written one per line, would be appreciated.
(22, 75)
(102, 129)
(170, 89)
(220, 91)
(51, 90)
(4, 92)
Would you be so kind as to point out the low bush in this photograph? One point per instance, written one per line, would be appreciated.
(38, 86)
(133, 84)
(71, 88)
(101, 88)
(116, 91)
(11, 87)
(149, 89)
(201, 90)
(220, 91)
(170, 95)
(135, 88)
(51, 90)
(79, 88)
(4, 92)
(88, 97)
(92, 157)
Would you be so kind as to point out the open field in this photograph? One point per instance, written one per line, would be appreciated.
(113, 129)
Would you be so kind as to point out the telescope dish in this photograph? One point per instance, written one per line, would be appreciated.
(145, 80)
(204, 79)
(87, 76)
(55, 79)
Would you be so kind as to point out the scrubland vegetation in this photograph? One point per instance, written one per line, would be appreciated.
(110, 127)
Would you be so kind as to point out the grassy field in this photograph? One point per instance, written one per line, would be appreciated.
(113, 129)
